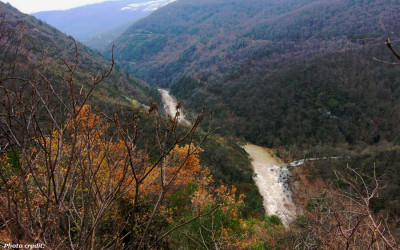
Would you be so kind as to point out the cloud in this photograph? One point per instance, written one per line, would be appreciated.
(148, 6)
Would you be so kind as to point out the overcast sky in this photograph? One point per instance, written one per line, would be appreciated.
(31, 6)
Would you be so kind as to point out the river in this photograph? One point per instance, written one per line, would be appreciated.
(170, 106)
(271, 172)
(271, 179)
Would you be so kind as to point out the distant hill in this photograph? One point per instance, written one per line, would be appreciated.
(96, 25)
(45, 49)
(276, 72)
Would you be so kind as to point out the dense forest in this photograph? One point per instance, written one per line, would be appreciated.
(309, 78)
(275, 72)
(89, 160)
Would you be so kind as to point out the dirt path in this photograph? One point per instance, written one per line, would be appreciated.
(271, 180)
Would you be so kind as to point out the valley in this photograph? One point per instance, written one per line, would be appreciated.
(254, 62)
(270, 172)
(213, 124)
(98, 25)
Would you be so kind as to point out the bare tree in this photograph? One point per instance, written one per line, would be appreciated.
(394, 52)
(65, 175)
(344, 218)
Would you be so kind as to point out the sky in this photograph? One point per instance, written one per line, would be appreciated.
(31, 6)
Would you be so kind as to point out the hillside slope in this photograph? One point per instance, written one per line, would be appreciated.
(276, 72)
(44, 48)
(97, 25)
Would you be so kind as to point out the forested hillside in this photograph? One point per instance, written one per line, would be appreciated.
(276, 72)
(226, 160)
(312, 78)
(87, 161)
(45, 48)
(82, 151)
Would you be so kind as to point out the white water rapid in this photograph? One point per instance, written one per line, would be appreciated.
(271, 180)
(271, 172)
(170, 106)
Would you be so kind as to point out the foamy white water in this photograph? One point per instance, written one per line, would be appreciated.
(271, 172)
(170, 106)
(271, 180)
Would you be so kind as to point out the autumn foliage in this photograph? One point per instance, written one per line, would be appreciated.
(75, 178)
(78, 185)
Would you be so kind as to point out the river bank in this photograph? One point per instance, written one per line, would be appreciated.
(271, 172)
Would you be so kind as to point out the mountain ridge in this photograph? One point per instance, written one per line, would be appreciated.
(209, 58)
(48, 50)
(96, 25)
